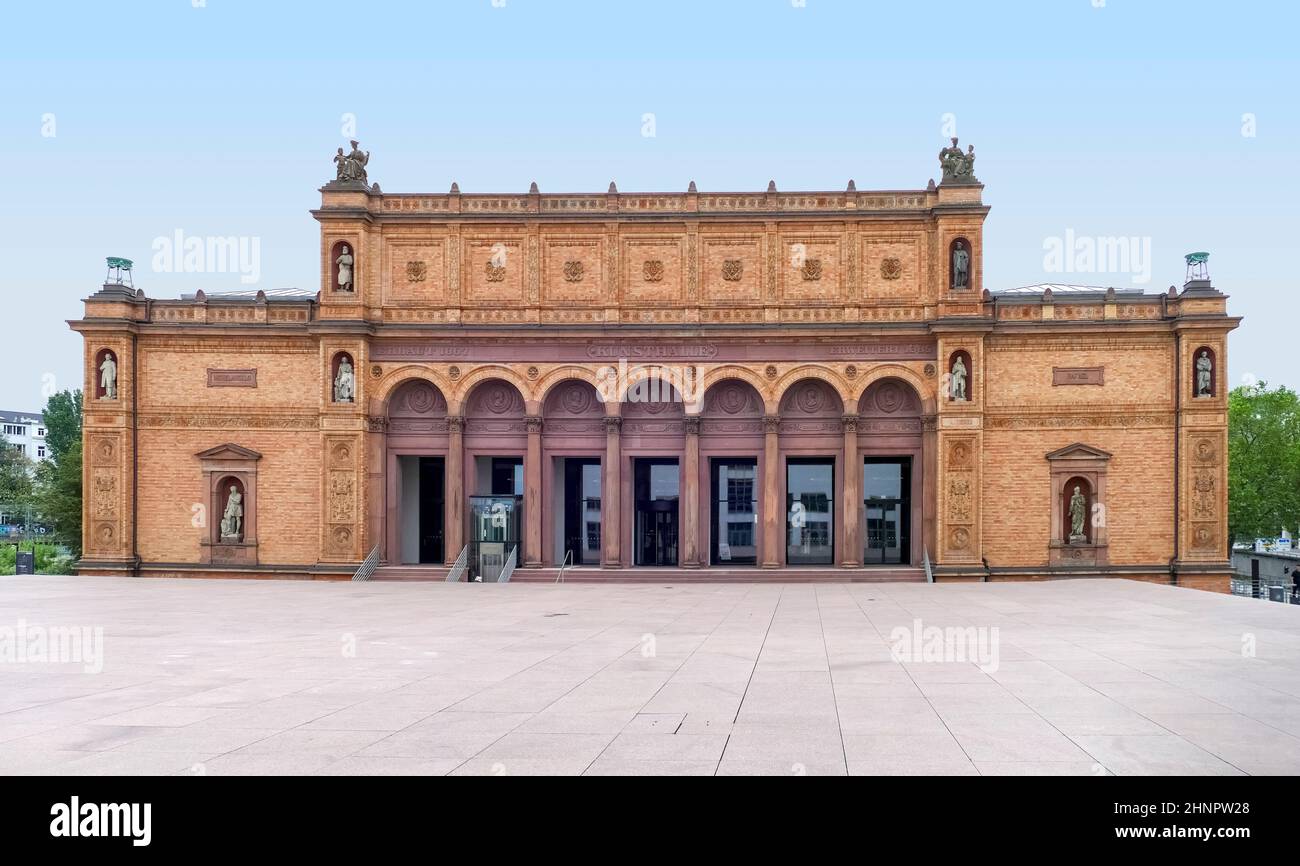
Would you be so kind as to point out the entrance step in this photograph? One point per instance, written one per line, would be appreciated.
(590, 574)
(410, 572)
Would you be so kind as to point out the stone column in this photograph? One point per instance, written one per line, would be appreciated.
(851, 548)
(773, 512)
(930, 487)
(691, 495)
(453, 517)
(533, 493)
(611, 497)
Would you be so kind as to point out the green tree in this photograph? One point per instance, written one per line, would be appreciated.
(16, 486)
(58, 496)
(62, 422)
(1263, 461)
(58, 479)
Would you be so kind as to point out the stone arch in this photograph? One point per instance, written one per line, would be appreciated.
(555, 379)
(572, 398)
(890, 396)
(895, 371)
(482, 400)
(721, 400)
(382, 392)
(457, 401)
(809, 371)
(668, 383)
(715, 375)
(811, 397)
(416, 397)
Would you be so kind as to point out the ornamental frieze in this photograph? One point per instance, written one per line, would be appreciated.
(209, 420)
(1054, 422)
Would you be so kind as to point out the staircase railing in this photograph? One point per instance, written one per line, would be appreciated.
(457, 571)
(568, 555)
(509, 568)
(368, 565)
(929, 574)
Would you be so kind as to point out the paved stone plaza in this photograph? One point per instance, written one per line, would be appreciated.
(220, 677)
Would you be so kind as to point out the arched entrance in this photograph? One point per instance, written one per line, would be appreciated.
(416, 469)
(731, 449)
(573, 441)
(653, 442)
(890, 467)
(501, 489)
(812, 442)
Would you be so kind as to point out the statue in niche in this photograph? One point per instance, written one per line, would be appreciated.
(957, 166)
(957, 380)
(344, 261)
(108, 377)
(1078, 511)
(345, 382)
(232, 519)
(960, 266)
(351, 167)
(1204, 375)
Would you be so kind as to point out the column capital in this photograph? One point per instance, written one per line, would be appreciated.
(929, 423)
(376, 424)
(850, 423)
(692, 425)
(771, 423)
(613, 423)
(533, 423)
(455, 423)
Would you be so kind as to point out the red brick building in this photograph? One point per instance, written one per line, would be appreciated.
(738, 385)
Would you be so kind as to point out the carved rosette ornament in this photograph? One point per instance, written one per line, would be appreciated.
(573, 271)
(416, 272)
(891, 269)
(811, 270)
(652, 271)
(495, 273)
(733, 270)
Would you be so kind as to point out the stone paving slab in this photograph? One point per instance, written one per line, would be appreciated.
(1089, 677)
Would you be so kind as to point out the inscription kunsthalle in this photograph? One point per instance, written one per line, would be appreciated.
(614, 351)
(232, 378)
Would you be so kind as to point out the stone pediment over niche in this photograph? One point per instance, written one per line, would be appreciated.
(1078, 451)
(229, 451)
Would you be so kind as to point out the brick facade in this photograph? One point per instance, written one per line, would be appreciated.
(819, 324)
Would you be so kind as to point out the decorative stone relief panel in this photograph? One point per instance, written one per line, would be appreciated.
(810, 268)
(572, 270)
(891, 268)
(732, 269)
(653, 271)
(415, 273)
(493, 270)
(959, 492)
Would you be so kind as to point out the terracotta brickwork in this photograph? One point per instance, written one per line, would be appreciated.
(794, 326)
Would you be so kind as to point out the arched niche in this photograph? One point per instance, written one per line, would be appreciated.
(1205, 373)
(343, 266)
(1085, 467)
(106, 378)
(891, 408)
(811, 408)
(959, 383)
(230, 535)
(653, 415)
(339, 390)
(732, 409)
(1084, 487)
(961, 252)
(495, 410)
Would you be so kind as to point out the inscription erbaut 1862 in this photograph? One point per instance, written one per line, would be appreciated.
(232, 378)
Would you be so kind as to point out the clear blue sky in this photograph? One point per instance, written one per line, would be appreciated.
(1122, 119)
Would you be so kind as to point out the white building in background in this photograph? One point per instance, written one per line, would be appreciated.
(26, 432)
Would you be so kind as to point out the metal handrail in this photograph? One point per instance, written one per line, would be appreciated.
(457, 571)
(929, 575)
(368, 565)
(568, 555)
(509, 568)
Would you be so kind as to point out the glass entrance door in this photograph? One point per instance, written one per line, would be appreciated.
(656, 489)
(495, 524)
(810, 511)
(431, 509)
(887, 511)
(735, 511)
(581, 511)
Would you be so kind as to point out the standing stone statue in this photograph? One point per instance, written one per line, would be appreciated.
(344, 382)
(960, 266)
(1078, 511)
(232, 519)
(1204, 375)
(108, 377)
(344, 261)
(957, 380)
(957, 166)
